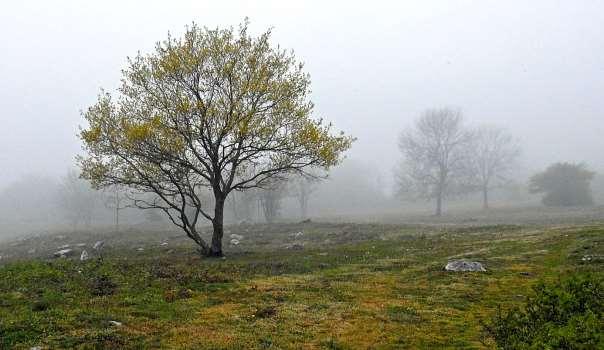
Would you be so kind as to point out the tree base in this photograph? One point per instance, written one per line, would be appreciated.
(211, 254)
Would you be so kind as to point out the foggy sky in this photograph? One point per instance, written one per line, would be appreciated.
(536, 67)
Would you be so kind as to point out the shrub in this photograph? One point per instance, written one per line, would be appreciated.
(564, 184)
(567, 314)
(102, 285)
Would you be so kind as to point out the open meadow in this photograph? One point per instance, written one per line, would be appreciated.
(307, 285)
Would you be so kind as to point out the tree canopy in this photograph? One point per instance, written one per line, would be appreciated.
(217, 110)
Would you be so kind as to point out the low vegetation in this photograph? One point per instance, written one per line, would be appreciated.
(384, 289)
(567, 314)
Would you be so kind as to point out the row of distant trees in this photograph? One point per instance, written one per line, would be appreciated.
(442, 157)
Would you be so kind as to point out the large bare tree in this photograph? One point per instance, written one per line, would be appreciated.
(435, 161)
(493, 151)
(216, 109)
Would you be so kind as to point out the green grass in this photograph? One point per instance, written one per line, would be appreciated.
(380, 293)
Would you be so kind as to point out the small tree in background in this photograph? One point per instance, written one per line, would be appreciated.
(564, 184)
(270, 199)
(301, 187)
(78, 199)
(492, 152)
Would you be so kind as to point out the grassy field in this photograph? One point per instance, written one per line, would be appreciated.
(351, 286)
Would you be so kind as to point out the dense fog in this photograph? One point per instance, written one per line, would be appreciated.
(534, 70)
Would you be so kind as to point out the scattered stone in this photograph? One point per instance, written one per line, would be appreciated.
(297, 234)
(35, 348)
(80, 245)
(294, 246)
(65, 246)
(140, 249)
(115, 323)
(236, 236)
(63, 253)
(84, 256)
(98, 245)
(234, 241)
(464, 265)
(163, 244)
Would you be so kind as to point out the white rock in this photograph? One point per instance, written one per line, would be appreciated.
(235, 241)
(84, 256)
(35, 348)
(98, 245)
(65, 246)
(115, 323)
(297, 234)
(236, 237)
(140, 249)
(163, 244)
(63, 253)
(464, 266)
(80, 245)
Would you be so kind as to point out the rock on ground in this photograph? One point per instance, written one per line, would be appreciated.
(63, 253)
(236, 236)
(464, 265)
(294, 246)
(84, 256)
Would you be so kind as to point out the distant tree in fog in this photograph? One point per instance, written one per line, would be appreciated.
(564, 184)
(435, 160)
(78, 199)
(270, 198)
(301, 187)
(243, 204)
(492, 153)
(215, 109)
(116, 199)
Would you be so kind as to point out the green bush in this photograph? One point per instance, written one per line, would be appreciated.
(567, 314)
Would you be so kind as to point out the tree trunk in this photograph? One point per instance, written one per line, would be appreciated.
(303, 206)
(218, 225)
(485, 198)
(439, 204)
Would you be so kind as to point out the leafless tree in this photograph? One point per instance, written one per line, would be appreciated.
(301, 187)
(493, 152)
(434, 162)
(77, 198)
(270, 198)
(116, 199)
